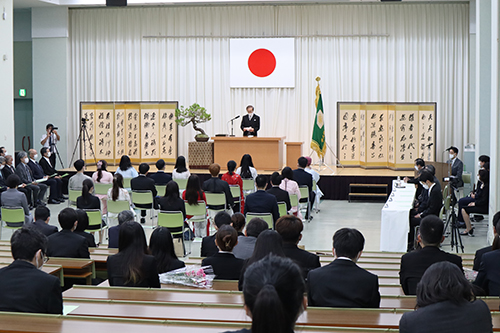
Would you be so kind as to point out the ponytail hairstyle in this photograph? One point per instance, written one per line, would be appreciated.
(117, 185)
(101, 166)
(87, 186)
(273, 290)
(226, 238)
(496, 224)
(231, 166)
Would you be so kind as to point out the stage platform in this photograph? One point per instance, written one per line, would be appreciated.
(335, 186)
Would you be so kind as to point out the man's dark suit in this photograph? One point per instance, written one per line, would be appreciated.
(343, 284)
(24, 288)
(281, 196)
(208, 247)
(488, 277)
(38, 173)
(216, 185)
(9, 170)
(415, 263)
(67, 244)
(432, 207)
(48, 170)
(254, 123)
(44, 228)
(307, 261)
(143, 183)
(26, 176)
(113, 234)
(302, 177)
(457, 168)
(262, 202)
(479, 257)
(160, 177)
(226, 266)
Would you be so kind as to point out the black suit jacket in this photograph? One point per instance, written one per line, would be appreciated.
(94, 203)
(456, 171)
(116, 265)
(208, 247)
(478, 257)
(434, 202)
(460, 318)
(7, 171)
(178, 205)
(24, 288)
(25, 174)
(48, 169)
(262, 202)
(254, 123)
(160, 177)
(343, 284)
(216, 185)
(88, 237)
(67, 244)
(113, 234)
(226, 266)
(281, 196)
(302, 177)
(142, 183)
(488, 277)
(415, 263)
(307, 261)
(44, 228)
(36, 170)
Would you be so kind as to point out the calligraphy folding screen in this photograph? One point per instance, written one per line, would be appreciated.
(142, 130)
(385, 134)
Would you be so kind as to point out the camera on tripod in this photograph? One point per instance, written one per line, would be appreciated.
(84, 120)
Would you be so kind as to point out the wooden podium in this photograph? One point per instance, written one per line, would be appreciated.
(267, 153)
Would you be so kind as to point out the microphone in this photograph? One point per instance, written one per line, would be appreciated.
(235, 117)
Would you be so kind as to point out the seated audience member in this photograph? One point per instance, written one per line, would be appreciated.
(66, 243)
(37, 171)
(171, 201)
(479, 253)
(75, 182)
(26, 178)
(13, 198)
(42, 217)
(192, 195)
(281, 195)
(49, 170)
(290, 228)
(125, 168)
(484, 161)
(143, 183)
(232, 178)
(89, 201)
(415, 263)
(161, 246)
(208, 246)
(23, 286)
(246, 169)
(488, 277)
(433, 204)
(82, 225)
(118, 193)
(457, 167)
(3, 151)
(303, 178)
(160, 177)
(274, 295)
(102, 176)
(3, 186)
(268, 242)
(291, 186)
(316, 177)
(446, 303)
(132, 266)
(114, 232)
(8, 170)
(479, 205)
(216, 185)
(225, 265)
(238, 222)
(180, 170)
(246, 243)
(343, 283)
(419, 167)
(261, 201)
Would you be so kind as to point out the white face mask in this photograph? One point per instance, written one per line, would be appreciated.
(425, 185)
(416, 167)
(451, 156)
(35, 157)
(26, 160)
(478, 178)
(2, 166)
(479, 164)
(48, 154)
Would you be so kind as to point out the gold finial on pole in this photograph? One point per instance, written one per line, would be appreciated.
(318, 79)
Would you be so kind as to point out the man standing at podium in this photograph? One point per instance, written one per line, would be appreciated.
(250, 123)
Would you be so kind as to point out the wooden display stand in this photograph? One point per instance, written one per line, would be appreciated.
(267, 153)
(200, 154)
(293, 152)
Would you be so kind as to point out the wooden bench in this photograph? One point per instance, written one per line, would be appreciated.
(55, 270)
(75, 268)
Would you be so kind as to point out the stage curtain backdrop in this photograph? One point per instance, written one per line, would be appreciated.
(420, 55)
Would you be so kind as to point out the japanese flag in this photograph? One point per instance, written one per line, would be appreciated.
(262, 63)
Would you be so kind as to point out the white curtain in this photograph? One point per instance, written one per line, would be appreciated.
(420, 54)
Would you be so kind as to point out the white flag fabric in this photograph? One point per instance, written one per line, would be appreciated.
(262, 63)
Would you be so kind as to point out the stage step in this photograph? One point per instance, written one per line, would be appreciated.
(368, 191)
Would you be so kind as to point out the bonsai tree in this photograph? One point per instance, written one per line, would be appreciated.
(195, 114)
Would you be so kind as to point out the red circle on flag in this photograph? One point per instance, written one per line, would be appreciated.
(261, 62)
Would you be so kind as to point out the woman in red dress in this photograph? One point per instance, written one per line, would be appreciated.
(233, 178)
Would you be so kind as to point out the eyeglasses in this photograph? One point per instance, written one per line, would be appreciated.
(45, 258)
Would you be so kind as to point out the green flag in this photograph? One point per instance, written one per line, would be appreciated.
(318, 138)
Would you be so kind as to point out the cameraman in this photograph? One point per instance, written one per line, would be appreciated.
(50, 140)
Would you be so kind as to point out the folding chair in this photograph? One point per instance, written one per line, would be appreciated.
(102, 188)
(199, 215)
(95, 222)
(248, 186)
(126, 183)
(182, 185)
(174, 221)
(236, 192)
(304, 198)
(214, 199)
(144, 197)
(13, 218)
(294, 200)
(72, 196)
(268, 217)
(116, 207)
(161, 189)
(282, 208)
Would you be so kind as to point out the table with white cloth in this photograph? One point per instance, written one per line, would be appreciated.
(395, 221)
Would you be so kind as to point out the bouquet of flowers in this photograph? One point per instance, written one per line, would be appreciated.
(192, 276)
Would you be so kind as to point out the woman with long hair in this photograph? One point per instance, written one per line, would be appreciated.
(132, 266)
(83, 224)
(126, 169)
(180, 170)
(102, 176)
(291, 186)
(161, 246)
(192, 195)
(232, 178)
(444, 289)
(89, 201)
(479, 205)
(118, 193)
(246, 169)
(274, 295)
(171, 201)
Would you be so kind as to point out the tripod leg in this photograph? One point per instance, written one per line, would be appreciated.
(76, 146)
(90, 144)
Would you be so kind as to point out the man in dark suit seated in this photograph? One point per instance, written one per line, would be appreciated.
(13, 198)
(42, 217)
(290, 228)
(8, 170)
(38, 173)
(160, 177)
(114, 232)
(23, 286)
(49, 170)
(3, 185)
(208, 247)
(432, 205)
(457, 167)
(216, 185)
(281, 195)
(26, 176)
(302, 177)
(414, 264)
(246, 243)
(65, 243)
(343, 283)
(260, 201)
(143, 183)
(479, 253)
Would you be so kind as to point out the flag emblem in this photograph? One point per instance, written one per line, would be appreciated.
(319, 119)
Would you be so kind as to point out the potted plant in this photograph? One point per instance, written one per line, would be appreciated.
(194, 114)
